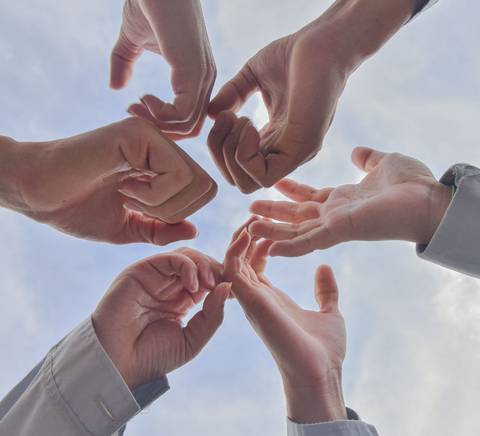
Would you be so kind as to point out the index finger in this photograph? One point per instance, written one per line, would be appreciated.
(174, 264)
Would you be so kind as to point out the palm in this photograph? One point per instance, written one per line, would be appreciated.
(300, 340)
(391, 202)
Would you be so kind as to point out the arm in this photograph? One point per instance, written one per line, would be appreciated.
(121, 183)
(114, 364)
(308, 346)
(301, 77)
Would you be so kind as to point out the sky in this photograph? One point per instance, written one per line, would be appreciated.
(413, 327)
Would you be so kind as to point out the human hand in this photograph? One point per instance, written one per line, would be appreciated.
(399, 199)
(176, 31)
(121, 183)
(308, 346)
(301, 77)
(139, 320)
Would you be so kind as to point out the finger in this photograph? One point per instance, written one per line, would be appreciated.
(266, 166)
(209, 270)
(234, 93)
(245, 225)
(179, 265)
(122, 59)
(205, 323)
(235, 139)
(141, 228)
(258, 260)
(235, 255)
(141, 111)
(221, 129)
(285, 210)
(181, 116)
(316, 239)
(366, 158)
(281, 231)
(159, 189)
(326, 289)
(299, 192)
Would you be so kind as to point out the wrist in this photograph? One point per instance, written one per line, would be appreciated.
(13, 166)
(315, 400)
(354, 30)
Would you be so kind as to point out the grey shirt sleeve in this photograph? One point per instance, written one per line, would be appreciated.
(75, 390)
(351, 427)
(421, 5)
(456, 242)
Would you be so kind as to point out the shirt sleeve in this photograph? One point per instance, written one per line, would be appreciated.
(456, 242)
(75, 390)
(422, 5)
(351, 427)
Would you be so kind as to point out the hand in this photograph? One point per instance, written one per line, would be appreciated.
(301, 78)
(175, 30)
(139, 320)
(399, 199)
(308, 346)
(120, 184)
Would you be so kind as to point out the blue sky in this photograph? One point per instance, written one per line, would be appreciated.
(414, 328)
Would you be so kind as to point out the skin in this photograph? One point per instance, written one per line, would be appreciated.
(139, 320)
(176, 31)
(398, 199)
(120, 184)
(300, 77)
(308, 346)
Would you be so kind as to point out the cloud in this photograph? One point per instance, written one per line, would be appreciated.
(413, 356)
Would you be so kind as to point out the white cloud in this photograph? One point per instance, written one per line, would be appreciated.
(413, 327)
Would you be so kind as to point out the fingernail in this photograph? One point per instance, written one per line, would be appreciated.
(193, 282)
(211, 278)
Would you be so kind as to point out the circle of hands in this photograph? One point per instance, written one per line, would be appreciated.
(129, 182)
(139, 322)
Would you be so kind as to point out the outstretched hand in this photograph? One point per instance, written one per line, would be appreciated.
(139, 321)
(175, 30)
(308, 346)
(398, 199)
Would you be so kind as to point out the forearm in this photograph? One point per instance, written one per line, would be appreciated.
(356, 29)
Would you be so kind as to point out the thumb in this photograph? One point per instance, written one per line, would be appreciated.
(366, 158)
(122, 59)
(141, 228)
(235, 92)
(205, 323)
(326, 289)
